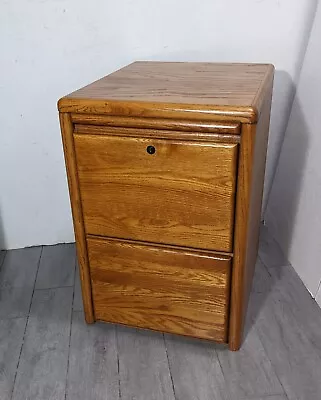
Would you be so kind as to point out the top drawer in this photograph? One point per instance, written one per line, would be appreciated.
(158, 190)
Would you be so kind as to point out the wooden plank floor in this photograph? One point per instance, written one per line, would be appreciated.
(48, 352)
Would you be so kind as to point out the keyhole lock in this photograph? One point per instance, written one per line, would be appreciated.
(151, 149)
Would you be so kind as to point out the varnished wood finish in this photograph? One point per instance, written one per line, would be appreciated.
(106, 360)
(158, 134)
(77, 213)
(172, 291)
(251, 171)
(197, 91)
(167, 197)
(197, 199)
(161, 124)
(161, 246)
(138, 109)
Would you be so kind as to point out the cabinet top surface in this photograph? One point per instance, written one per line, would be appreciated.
(188, 85)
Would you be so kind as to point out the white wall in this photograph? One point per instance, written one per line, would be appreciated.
(49, 48)
(293, 213)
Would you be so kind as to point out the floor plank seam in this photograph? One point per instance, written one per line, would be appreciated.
(5, 254)
(74, 283)
(54, 287)
(77, 312)
(230, 395)
(118, 369)
(25, 330)
(265, 267)
(273, 284)
(12, 318)
(69, 344)
(262, 342)
(74, 286)
(319, 288)
(169, 366)
(302, 331)
(266, 396)
(272, 364)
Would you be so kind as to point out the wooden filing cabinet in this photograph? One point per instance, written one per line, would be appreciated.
(165, 164)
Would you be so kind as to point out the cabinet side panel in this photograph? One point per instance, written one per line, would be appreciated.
(72, 175)
(250, 184)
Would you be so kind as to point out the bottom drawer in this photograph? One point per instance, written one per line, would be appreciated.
(165, 289)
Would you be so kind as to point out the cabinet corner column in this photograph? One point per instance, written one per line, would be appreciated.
(77, 214)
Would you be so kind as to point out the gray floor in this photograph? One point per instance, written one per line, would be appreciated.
(48, 352)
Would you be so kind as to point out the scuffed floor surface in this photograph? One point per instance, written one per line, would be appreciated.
(48, 352)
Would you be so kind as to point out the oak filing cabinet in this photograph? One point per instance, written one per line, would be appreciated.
(165, 164)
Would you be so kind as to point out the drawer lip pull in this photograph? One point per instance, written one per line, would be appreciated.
(219, 255)
(184, 125)
(195, 136)
(160, 289)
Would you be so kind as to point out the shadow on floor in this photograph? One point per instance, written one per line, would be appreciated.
(287, 187)
(2, 239)
(285, 194)
(262, 287)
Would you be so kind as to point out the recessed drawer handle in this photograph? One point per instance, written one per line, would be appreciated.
(151, 149)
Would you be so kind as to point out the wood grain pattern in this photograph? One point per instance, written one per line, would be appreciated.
(20, 267)
(92, 372)
(15, 302)
(43, 362)
(158, 124)
(2, 257)
(287, 318)
(193, 112)
(57, 266)
(157, 134)
(288, 288)
(283, 334)
(17, 277)
(171, 291)
(249, 372)
(11, 339)
(183, 194)
(175, 90)
(251, 171)
(201, 190)
(77, 303)
(195, 369)
(143, 368)
(276, 397)
(77, 213)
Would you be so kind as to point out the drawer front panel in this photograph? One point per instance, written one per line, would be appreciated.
(157, 288)
(161, 191)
